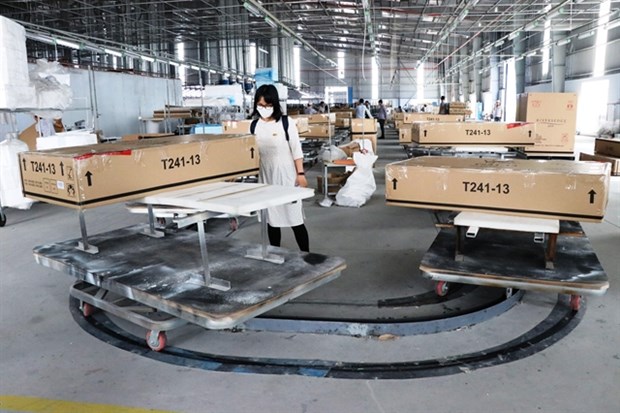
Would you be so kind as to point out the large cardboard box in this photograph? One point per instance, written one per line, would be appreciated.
(556, 117)
(545, 189)
(343, 122)
(302, 124)
(405, 134)
(88, 176)
(613, 161)
(473, 133)
(363, 125)
(372, 137)
(399, 116)
(348, 114)
(320, 118)
(320, 130)
(140, 136)
(235, 127)
(607, 147)
(399, 124)
(430, 117)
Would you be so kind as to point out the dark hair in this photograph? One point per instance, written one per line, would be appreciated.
(361, 100)
(270, 94)
(443, 98)
(380, 100)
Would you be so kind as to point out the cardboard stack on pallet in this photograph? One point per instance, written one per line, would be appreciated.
(605, 150)
(343, 119)
(555, 115)
(365, 129)
(319, 126)
(459, 108)
(405, 131)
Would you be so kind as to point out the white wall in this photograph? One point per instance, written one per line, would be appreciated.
(121, 98)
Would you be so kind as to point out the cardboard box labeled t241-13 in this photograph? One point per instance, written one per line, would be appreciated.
(473, 133)
(89, 176)
(545, 189)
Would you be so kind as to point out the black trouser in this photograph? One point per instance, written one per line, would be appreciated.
(301, 236)
(497, 119)
(382, 124)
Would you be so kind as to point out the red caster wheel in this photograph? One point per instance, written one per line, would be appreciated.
(575, 302)
(441, 288)
(156, 343)
(87, 309)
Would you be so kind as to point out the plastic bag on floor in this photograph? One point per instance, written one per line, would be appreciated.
(10, 179)
(361, 184)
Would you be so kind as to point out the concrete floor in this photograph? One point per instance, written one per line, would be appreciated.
(44, 352)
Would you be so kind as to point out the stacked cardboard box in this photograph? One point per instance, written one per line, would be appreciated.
(556, 117)
(235, 127)
(320, 130)
(365, 129)
(88, 176)
(302, 124)
(344, 123)
(473, 133)
(459, 108)
(547, 189)
(320, 118)
(605, 150)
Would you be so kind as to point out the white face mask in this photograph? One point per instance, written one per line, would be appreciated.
(264, 112)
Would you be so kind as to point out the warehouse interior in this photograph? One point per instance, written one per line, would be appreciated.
(462, 259)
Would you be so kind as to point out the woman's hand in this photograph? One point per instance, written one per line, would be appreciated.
(301, 181)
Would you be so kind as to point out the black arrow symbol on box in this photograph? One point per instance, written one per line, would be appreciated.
(62, 168)
(425, 133)
(252, 152)
(88, 178)
(592, 193)
(394, 182)
(529, 134)
(24, 162)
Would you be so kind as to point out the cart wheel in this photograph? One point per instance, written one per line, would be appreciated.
(441, 288)
(87, 309)
(508, 292)
(2, 220)
(234, 224)
(156, 343)
(575, 302)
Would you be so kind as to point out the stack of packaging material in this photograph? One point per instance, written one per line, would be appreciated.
(365, 129)
(556, 117)
(605, 150)
(343, 118)
(15, 89)
(173, 112)
(66, 139)
(459, 108)
(320, 126)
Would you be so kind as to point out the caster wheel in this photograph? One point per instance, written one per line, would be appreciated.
(87, 309)
(441, 288)
(509, 292)
(2, 220)
(575, 302)
(156, 343)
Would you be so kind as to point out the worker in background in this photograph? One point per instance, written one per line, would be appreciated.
(498, 112)
(361, 111)
(399, 109)
(281, 163)
(322, 107)
(443, 106)
(368, 115)
(381, 117)
(423, 109)
(310, 110)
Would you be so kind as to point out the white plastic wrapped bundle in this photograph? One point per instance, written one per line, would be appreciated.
(10, 179)
(361, 184)
(333, 153)
(15, 89)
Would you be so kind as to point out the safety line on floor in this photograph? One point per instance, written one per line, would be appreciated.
(41, 405)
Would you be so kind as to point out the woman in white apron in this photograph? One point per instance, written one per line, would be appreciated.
(281, 163)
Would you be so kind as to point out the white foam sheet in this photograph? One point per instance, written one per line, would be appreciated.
(507, 222)
(231, 198)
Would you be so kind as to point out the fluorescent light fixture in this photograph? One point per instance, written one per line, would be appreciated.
(226, 74)
(147, 58)
(67, 43)
(252, 9)
(563, 42)
(499, 43)
(513, 35)
(519, 58)
(40, 38)
(113, 52)
(212, 71)
(613, 25)
(530, 54)
(263, 50)
(271, 22)
(194, 67)
(530, 26)
(287, 33)
(175, 64)
(585, 35)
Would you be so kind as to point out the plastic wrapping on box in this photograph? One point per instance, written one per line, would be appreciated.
(10, 180)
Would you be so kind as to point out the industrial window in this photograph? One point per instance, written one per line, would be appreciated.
(601, 39)
(252, 58)
(340, 65)
(180, 52)
(375, 79)
(420, 83)
(297, 66)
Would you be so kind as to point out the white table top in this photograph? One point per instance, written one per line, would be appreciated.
(507, 222)
(230, 197)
